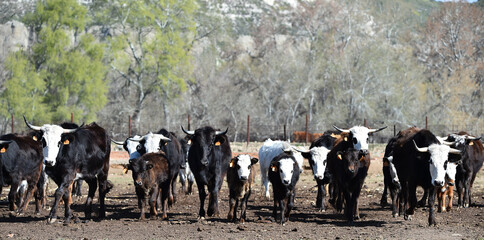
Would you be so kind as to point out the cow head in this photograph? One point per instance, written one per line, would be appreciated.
(52, 140)
(317, 159)
(151, 142)
(139, 168)
(205, 139)
(450, 171)
(243, 163)
(393, 171)
(439, 154)
(285, 167)
(131, 146)
(351, 159)
(359, 135)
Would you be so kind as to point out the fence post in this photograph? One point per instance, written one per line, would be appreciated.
(13, 124)
(306, 132)
(188, 126)
(364, 123)
(248, 129)
(72, 117)
(129, 126)
(394, 130)
(285, 135)
(426, 122)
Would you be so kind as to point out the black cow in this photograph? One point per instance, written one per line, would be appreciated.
(20, 160)
(317, 157)
(283, 174)
(419, 158)
(472, 161)
(186, 175)
(209, 158)
(70, 154)
(240, 177)
(151, 176)
(390, 179)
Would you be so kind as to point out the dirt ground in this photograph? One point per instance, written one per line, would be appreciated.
(305, 221)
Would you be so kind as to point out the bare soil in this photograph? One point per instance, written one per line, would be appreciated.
(305, 221)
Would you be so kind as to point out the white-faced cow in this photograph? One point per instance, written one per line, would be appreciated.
(284, 174)
(317, 157)
(240, 177)
(419, 158)
(20, 162)
(269, 150)
(71, 154)
(209, 158)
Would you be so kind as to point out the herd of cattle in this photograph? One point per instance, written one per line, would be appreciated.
(339, 160)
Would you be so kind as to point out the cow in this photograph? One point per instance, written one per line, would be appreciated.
(317, 157)
(419, 158)
(356, 138)
(186, 175)
(20, 163)
(240, 177)
(71, 154)
(131, 145)
(268, 151)
(472, 161)
(390, 179)
(151, 176)
(209, 158)
(283, 174)
(168, 143)
(448, 189)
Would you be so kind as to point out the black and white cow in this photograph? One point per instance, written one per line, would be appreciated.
(419, 158)
(21, 163)
(390, 179)
(283, 175)
(71, 154)
(209, 158)
(186, 175)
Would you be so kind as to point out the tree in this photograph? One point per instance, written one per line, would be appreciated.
(151, 50)
(63, 72)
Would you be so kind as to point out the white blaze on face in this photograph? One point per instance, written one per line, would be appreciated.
(52, 137)
(243, 166)
(152, 143)
(131, 146)
(360, 137)
(438, 156)
(393, 170)
(319, 155)
(451, 170)
(286, 169)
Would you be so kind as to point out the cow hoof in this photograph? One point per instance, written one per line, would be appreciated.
(449, 209)
(12, 214)
(408, 217)
(51, 220)
(395, 215)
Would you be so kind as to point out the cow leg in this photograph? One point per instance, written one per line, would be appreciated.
(30, 192)
(201, 195)
(266, 183)
(183, 179)
(91, 182)
(244, 206)
(451, 196)
(394, 196)
(460, 193)
(431, 208)
(348, 212)
(232, 208)
(104, 187)
(290, 205)
(190, 185)
(384, 196)
(173, 187)
(282, 207)
(165, 188)
(470, 188)
(412, 201)
(154, 196)
(444, 196)
(440, 199)
(59, 193)
(467, 190)
(213, 204)
(141, 202)
(320, 197)
(67, 197)
(12, 195)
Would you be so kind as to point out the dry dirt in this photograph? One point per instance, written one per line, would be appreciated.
(305, 221)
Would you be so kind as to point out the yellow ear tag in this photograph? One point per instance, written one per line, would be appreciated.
(346, 139)
(217, 143)
(3, 150)
(166, 143)
(231, 164)
(339, 157)
(125, 170)
(189, 142)
(66, 142)
(471, 143)
(35, 138)
(274, 168)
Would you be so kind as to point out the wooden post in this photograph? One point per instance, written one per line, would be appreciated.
(72, 117)
(306, 132)
(285, 133)
(129, 126)
(13, 124)
(248, 129)
(188, 126)
(394, 130)
(426, 122)
(364, 122)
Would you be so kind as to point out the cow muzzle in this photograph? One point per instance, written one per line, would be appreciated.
(318, 177)
(204, 161)
(49, 163)
(364, 152)
(286, 182)
(138, 182)
(438, 183)
(243, 178)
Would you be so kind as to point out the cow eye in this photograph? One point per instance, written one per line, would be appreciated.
(138, 147)
(355, 141)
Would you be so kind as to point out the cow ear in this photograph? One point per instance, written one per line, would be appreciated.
(232, 162)
(273, 168)
(254, 161)
(219, 140)
(338, 155)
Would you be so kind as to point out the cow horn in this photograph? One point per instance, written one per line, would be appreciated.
(5, 141)
(187, 132)
(341, 130)
(116, 142)
(424, 149)
(70, 130)
(454, 151)
(134, 140)
(299, 150)
(377, 130)
(472, 138)
(222, 133)
(36, 128)
(162, 137)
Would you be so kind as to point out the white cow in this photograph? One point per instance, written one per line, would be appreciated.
(269, 150)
